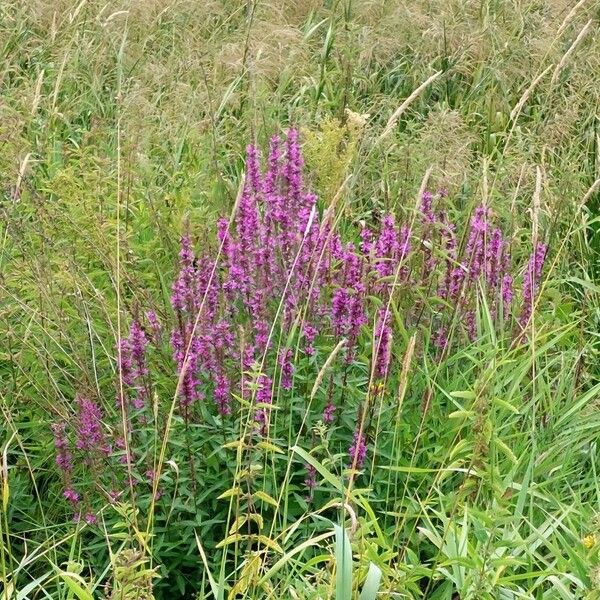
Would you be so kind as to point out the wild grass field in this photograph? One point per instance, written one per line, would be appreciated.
(299, 299)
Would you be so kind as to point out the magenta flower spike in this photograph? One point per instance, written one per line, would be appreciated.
(357, 451)
(263, 397)
(382, 340)
(531, 282)
(89, 435)
(287, 368)
(64, 458)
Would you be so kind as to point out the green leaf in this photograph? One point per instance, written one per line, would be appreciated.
(230, 539)
(269, 543)
(466, 394)
(371, 585)
(268, 446)
(343, 561)
(76, 584)
(327, 475)
(265, 498)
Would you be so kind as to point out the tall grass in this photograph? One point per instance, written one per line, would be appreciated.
(123, 126)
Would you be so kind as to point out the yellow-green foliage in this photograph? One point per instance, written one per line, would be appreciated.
(330, 149)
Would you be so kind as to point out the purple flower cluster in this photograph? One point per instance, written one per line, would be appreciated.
(278, 286)
(382, 343)
(263, 400)
(64, 458)
(531, 282)
(89, 434)
(358, 450)
(89, 449)
(279, 259)
(132, 364)
(310, 482)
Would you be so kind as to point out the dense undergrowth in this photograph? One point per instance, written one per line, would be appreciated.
(354, 358)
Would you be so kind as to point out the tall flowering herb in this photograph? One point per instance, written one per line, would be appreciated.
(208, 289)
(221, 341)
(366, 241)
(404, 250)
(274, 213)
(476, 244)
(348, 315)
(222, 393)
(386, 247)
(391, 251)
(89, 446)
(309, 334)
(154, 325)
(449, 245)
(357, 319)
(310, 482)
(348, 303)
(506, 285)
(531, 282)
(471, 325)
(428, 220)
(293, 168)
(89, 434)
(382, 343)
(64, 457)
(358, 450)
(247, 221)
(427, 214)
(494, 251)
(184, 292)
(507, 294)
(187, 348)
(263, 399)
(187, 354)
(329, 413)
(276, 237)
(253, 167)
(273, 173)
(440, 337)
(229, 254)
(287, 368)
(293, 215)
(132, 367)
(64, 461)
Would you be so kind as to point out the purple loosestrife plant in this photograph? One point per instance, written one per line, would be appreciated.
(89, 435)
(507, 293)
(494, 258)
(531, 282)
(133, 366)
(386, 247)
(310, 482)
(222, 394)
(154, 325)
(329, 413)
(476, 244)
(263, 399)
(190, 349)
(450, 248)
(287, 368)
(382, 343)
(64, 458)
(284, 273)
(358, 450)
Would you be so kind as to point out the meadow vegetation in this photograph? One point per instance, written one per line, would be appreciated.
(299, 299)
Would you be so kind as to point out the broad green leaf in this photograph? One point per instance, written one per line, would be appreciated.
(371, 585)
